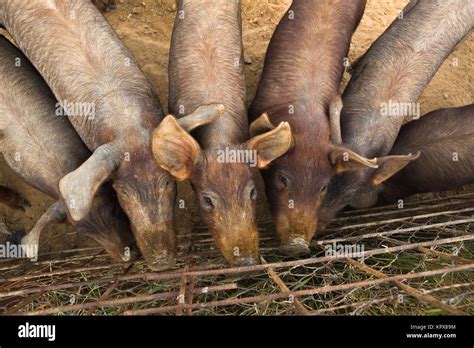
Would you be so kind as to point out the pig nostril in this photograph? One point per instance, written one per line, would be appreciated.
(247, 262)
(295, 247)
(162, 261)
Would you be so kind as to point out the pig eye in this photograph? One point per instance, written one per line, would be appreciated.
(253, 193)
(324, 189)
(208, 202)
(283, 180)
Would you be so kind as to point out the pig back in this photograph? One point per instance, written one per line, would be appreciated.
(38, 145)
(206, 67)
(396, 69)
(304, 62)
(86, 65)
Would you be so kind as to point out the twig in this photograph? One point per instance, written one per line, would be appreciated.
(128, 300)
(307, 292)
(408, 289)
(234, 270)
(298, 305)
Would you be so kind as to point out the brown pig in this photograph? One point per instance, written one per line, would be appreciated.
(206, 66)
(112, 106)
(300, 85)
(385, 87)
(13, 199)
(445, 139)
(41, 147)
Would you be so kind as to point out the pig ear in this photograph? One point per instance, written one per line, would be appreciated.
(174, 149)
(261, 125)
(201, 116)
(390, 165)
(55, 214)
(79, 187)
(272, 144)
(335, 108)
(346, 160)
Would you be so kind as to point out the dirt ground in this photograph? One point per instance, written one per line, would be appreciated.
(146, 26)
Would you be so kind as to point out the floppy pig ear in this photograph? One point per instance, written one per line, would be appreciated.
(174, 149)
(201, 116)
(272, 144)
(261, 125)
(346, 160)
(335, 108)
(390, 165)
(55, 214)
(79, 187)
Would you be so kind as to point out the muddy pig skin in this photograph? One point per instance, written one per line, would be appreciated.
(445, 139)
(206, 67)
(42, 147)
(300, 85)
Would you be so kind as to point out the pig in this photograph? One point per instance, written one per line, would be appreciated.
(300, 85)
(13, 199)
(206, 67)
(445, 139)
(113, 108)
(42, 147)
(384, 88)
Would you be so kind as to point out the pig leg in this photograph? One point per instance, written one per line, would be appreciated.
(13, 199)
(56, 213)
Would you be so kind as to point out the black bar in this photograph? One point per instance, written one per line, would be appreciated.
(242, 331)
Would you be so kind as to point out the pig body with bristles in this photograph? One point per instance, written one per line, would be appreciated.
(41, 147)
(219, 159)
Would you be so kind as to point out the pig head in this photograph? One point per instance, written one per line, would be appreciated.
(219, 159)
(121, 111)
(300, 85)
(445, 138)
(384, 89)
(41, 147)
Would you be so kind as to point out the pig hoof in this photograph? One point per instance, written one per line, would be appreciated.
(294, 249)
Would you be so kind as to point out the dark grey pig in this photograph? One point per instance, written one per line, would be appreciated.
(41, 147)
(384, 90)
(445, 139)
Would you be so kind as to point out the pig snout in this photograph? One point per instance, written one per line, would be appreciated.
(155, 236)
(295, 232)
(157, 246)
(294, 247)
(160, 260)
(239, 247)
(149, 204)
(247, 261)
